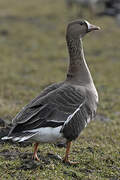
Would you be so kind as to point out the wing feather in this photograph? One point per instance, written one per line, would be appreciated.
(53, 110)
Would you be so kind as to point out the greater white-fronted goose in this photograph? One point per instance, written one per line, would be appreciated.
(91, 5)
(111, 8)
(62, 110)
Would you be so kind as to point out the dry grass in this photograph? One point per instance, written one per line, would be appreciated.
(33, 54)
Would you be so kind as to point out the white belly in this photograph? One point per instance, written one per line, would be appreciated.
(48, 135)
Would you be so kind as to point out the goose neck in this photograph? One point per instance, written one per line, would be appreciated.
(78, 69)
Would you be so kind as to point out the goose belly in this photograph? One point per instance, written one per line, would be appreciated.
(48, 135)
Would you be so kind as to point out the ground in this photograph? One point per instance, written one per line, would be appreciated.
(33, 54)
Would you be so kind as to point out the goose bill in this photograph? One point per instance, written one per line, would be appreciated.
(91, 27)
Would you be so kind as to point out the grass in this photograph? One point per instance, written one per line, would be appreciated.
(33, 54)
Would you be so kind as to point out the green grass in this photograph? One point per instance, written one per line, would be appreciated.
(33, 54)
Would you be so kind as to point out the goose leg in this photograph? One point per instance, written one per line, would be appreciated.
(35, 157)
(65, 160)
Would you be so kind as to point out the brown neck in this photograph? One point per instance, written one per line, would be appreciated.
(78, 70)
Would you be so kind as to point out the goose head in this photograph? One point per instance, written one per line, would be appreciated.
(78, 28)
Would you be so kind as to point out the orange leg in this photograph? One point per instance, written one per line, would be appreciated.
(65, 160)
(35, 157)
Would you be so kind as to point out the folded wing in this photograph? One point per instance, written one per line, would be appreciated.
(53, 110)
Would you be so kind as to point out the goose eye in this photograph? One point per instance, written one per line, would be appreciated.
(81, 23)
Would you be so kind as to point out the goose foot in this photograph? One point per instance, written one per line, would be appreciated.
(65, 160)
(70, 162)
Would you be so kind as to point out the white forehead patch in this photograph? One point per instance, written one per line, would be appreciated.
(88, 24)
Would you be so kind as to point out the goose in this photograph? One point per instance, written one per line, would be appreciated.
(62, 110)
(90, 4)
(111, 8)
